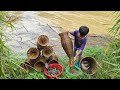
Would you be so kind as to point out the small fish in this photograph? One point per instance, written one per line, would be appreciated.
(84, 67)
(53, 71)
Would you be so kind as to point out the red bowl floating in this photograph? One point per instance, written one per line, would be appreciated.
(54, 65)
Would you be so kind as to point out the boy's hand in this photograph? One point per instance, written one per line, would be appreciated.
(75, 58)
(71, 63)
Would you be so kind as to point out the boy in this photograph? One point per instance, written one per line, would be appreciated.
(80, 39)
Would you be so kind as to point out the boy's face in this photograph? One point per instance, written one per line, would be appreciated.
(80, 37)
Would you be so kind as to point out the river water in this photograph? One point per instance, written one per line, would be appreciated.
(97, 21)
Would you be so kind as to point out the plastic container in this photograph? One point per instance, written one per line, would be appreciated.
(78, 75)
(54, 65)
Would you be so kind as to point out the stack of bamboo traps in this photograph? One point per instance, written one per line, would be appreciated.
(40, 56)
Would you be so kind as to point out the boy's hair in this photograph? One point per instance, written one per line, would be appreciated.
(83, 30)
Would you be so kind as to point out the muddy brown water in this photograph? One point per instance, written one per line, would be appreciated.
(97, 21)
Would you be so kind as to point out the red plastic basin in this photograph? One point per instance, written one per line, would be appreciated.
(54, 65)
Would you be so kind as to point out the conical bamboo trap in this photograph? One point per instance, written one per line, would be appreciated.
(33, 53)
(40, 64)
(67, 45)
(88, 65)
(38, 56)
(47, 51)
(53, 59)
(42, 41)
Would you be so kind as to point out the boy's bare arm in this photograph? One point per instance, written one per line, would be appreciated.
(77, 55)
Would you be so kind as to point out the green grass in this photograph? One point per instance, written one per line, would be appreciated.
(108, 69)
